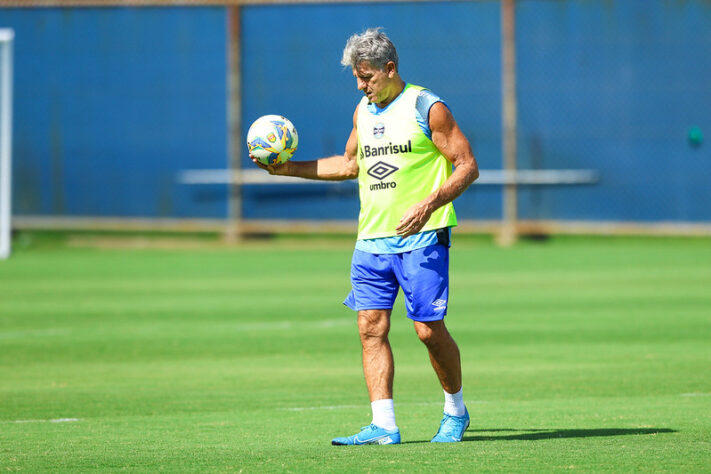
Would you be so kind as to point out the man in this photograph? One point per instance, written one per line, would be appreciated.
(402, 147)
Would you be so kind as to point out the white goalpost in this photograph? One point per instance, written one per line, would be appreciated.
(6, 39)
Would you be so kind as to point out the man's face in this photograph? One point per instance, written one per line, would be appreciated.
(376, 84)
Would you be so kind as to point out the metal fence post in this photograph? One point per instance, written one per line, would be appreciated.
(234, 123)
(508, 233)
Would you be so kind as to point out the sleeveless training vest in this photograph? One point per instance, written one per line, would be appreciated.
(398, 167)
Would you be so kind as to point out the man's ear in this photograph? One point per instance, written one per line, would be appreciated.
(390, 69)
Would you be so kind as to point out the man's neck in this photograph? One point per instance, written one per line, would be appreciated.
(397, 90)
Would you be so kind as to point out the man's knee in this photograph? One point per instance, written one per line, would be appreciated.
(432, 333)
(373, 323)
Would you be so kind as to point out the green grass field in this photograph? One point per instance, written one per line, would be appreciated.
(589, 354)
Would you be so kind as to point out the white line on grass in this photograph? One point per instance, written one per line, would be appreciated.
(288, 325)
(56, 420)
(33, 333)
(348, 407)
(258, 326)
(332, 407)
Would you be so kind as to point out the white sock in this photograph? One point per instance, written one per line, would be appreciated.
(454, 403)
(384, 414)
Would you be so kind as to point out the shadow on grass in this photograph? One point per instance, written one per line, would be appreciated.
(534, 434)
(538, 434)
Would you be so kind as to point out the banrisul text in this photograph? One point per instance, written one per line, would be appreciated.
(388, 149)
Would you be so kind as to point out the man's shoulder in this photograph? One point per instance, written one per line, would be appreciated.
(421, 90)
(426, 99)
(423, 103)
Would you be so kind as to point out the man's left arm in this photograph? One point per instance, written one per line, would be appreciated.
(452, 143)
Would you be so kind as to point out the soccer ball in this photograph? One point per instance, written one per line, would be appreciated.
(272, 139)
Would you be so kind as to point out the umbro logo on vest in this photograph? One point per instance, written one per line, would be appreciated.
(382, 170)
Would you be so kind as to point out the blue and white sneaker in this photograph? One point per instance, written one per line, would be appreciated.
(370, 434)
(452, 428)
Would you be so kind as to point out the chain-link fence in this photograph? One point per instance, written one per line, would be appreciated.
(112, 104)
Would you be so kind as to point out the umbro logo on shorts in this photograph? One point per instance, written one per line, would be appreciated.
(440, 304)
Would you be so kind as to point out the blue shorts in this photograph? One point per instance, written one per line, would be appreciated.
(423, 275)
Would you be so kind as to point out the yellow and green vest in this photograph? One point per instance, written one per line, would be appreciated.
(398, 166)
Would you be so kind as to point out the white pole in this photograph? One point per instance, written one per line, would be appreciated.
(6, 39)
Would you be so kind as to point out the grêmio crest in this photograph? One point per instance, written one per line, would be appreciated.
(379, 130)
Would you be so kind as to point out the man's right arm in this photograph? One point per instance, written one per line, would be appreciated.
(332, 168)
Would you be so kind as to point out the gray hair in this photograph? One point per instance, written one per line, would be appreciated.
(372, 46)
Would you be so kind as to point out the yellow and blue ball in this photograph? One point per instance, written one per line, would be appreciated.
(272, 139)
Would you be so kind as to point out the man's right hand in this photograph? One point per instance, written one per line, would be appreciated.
(279, 169)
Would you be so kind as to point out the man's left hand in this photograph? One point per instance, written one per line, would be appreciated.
(414, 219)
